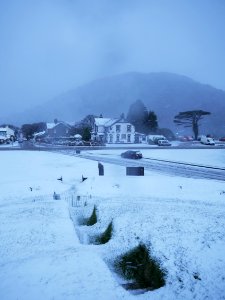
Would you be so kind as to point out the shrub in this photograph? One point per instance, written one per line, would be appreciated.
(93, 218)
(139, 266)
(106, 235)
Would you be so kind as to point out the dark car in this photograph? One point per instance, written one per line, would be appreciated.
(222, 139)
(132, 154)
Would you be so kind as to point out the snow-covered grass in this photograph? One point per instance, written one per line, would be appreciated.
(43, 255)
(11, 145)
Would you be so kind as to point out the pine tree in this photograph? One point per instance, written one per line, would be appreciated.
(151, 123)
(138, 115)
(86, 135)
(191, 119)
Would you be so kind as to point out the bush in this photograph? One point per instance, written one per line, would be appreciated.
(106, 235)
(137, 265)
(93, 218)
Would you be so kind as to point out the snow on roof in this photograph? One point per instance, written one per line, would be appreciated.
(6, 129)
(109, 121)
(52, 125)
(101, 121)
(105, 121)
(39, 133)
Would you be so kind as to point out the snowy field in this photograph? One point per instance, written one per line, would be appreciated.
(46, 254)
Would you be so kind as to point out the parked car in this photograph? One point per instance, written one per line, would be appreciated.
(75, 143)
(132, 154)
(222, 139)
(163, 143)
(97, 143)
(185, 138)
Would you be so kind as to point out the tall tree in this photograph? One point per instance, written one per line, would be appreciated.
(152, 122)
(84, 127)
(138, 115)
(86, 134)
(191, 119)
(28, 130)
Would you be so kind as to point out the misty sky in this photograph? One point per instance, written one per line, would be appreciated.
(48, 47)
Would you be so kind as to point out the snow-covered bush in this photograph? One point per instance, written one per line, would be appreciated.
(106, 235)
(139, 266)
(93, 218)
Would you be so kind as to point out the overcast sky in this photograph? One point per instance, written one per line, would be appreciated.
(48, 47)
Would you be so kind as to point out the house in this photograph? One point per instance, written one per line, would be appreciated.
(6, 134)
(57, 129)
(54, 133)
(113, 131)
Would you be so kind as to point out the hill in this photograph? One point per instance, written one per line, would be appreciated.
(165, 93)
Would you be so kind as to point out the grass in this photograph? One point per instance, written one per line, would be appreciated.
(139, 266)
(93, 218)
(106, 235)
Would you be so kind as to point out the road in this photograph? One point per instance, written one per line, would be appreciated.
(162, 166)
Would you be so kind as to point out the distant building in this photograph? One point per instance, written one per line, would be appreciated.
(6, 133)
(57, 130)
(109, 130)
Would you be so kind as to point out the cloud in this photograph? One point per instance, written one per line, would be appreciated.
(50, 46)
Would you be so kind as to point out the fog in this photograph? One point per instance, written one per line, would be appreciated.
(51, 46)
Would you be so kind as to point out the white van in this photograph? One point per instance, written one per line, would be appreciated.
(163, 143)
(207, 140)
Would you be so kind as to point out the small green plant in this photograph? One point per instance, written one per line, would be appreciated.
(106, 235)
(93, 218)
(139, 266)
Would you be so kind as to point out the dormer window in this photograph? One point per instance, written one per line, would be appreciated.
(118, 128)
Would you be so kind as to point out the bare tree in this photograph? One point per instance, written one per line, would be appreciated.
(191, 119)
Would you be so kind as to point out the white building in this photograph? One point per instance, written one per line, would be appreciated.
(6, 133)
(113, 131)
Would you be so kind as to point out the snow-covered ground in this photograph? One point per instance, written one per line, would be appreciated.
(44, 255)
(11, 145)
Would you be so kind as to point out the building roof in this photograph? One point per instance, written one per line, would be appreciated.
(107, 122)
(36, 134)
(102, 121)
(53, 125)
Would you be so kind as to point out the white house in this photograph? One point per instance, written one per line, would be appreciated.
(6, 133)
(113, 131)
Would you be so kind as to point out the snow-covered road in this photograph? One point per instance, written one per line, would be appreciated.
(171, 167)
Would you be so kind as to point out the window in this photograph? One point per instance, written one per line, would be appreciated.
(128, 138)
(117, 137)
(123, 136)
(117, 128)
(128, 128)
(110, 138)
